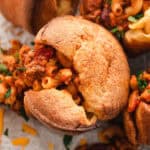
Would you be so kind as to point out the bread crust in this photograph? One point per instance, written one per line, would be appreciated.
(136, 42)
(137, 125)
(130, 128)
(143, 122)
(33, 14)
(97, 58)
(58, 109)
(22, 10)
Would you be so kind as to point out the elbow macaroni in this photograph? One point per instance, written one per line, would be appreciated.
(19, 83)
(36, 85)
(50, 70)
(8, 80)
(64, 75)
(36, 73)
(116, 7)
(15, 74)
(1, 77)
(143, 23)
(3, 90)
(135, 8)
(48, 82)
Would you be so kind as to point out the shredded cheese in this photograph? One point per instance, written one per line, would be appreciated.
(50, 146)
(83, 141)
(21, 141)
(28, 129)
(1, 120)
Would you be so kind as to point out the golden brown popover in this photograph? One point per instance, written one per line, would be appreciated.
(114, 136)
(137, 114)
(137, 38)
(100, 70)
(118, 16)
(33, 14)
(138, 132)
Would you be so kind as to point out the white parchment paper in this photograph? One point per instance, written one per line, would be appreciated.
(14, 122)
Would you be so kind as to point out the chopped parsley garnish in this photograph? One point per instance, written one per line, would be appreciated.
(138, 16)
(23, 114)
(67, 139)
(8, 93)
(1, 81)
(132, 19)
(32, 43)
(138, 74)
(6, 132)
(4, 70)
(142, 84)
(108, 2)
(1, 50)
(135, 18)
(16, 55)
(114, 30)
(119, 34)
(21, 69)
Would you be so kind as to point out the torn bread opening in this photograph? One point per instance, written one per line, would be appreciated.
(51, 69)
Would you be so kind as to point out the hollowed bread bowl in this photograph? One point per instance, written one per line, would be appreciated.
(99, 63)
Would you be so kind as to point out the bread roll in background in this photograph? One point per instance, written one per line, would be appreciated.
(137, 125)
(33, 14)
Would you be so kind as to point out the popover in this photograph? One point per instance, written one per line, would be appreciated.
(89, 80)
(137, 114)
(33, 14)
(128, 20)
